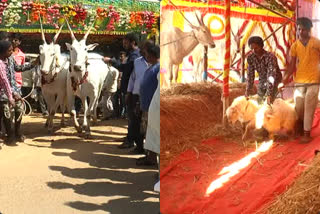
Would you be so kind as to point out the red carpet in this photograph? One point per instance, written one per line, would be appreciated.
(184, 183)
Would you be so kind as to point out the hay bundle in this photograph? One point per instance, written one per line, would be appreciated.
(189, 114)
(192, 89)
(303, 195)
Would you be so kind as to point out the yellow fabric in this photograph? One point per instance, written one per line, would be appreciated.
(308, 61)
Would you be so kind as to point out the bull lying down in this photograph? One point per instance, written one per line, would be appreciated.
(278, 119)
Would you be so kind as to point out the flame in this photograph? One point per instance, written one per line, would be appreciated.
(260, 117)
(233, 169)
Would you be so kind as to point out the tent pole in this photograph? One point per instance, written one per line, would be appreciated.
(226, 71)
(205, 64)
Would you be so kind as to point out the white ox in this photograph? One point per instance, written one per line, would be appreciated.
(85, 79)
(54, 68)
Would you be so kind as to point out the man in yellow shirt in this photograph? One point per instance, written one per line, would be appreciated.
(305, 56)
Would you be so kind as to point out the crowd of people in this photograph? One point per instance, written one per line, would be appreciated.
(139, 81)
(128, 93)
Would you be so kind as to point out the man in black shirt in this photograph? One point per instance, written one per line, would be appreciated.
(130, 44)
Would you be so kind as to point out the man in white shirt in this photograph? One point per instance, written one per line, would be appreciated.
(110, 87)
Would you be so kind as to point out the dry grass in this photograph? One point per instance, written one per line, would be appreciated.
(303, 196)
(191, 113)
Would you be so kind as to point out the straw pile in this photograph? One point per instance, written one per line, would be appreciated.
(303, 195)
(190, 113)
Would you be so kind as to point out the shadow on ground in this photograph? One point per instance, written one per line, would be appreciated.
(111, 172)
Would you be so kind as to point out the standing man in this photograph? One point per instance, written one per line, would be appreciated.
(140, 67)
(12, 67)
(130, 43)
(265, 63)
(109, 89)
(305, 56)
(6, 93)
(149, 85)
(118, 101)
(18, 56)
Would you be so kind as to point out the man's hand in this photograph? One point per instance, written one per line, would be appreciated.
(281, 87)
(17, 97)
(127, 98)
(269, 100)
(106, 59)
(11, 103)
(36, 62)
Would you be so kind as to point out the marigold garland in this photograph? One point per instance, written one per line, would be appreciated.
(110, 18)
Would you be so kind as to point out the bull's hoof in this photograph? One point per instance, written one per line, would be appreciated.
(46, 125)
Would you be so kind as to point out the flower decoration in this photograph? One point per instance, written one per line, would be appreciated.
(53, 13)
(3, 6)
(136, 19)
(105, 17)
(149, 19)
(69, 12)
(124, 19)
(114, 17)
(38, 9)
(81, 14)
(12, 13)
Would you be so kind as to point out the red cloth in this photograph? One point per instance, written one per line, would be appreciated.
(19, 57)
(184, 182)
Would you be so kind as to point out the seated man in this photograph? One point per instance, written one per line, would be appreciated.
(265, 63)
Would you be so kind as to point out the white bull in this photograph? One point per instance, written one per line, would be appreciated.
(85, 79)
(54, 68)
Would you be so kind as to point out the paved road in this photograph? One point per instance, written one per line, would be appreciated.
(67, 174)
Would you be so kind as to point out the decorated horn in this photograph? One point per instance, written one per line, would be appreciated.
(42, 32)
(87, 34)
(57, 35)
(72, 35)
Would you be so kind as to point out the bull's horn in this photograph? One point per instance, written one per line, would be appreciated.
(57, 35)
(71, 32)
(42, 32)
(88, 32)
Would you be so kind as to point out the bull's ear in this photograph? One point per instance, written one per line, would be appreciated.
(92, 46)
(68, 46)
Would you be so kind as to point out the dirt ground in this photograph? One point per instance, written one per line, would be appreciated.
(65, 173)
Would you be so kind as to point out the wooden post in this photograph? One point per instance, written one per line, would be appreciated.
(205, 64)
(226, 72)
(243, 59)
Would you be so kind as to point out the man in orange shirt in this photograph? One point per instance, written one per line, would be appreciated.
(305, 55)
(18, 56)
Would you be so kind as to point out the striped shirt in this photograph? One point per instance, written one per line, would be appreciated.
(5, 87)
